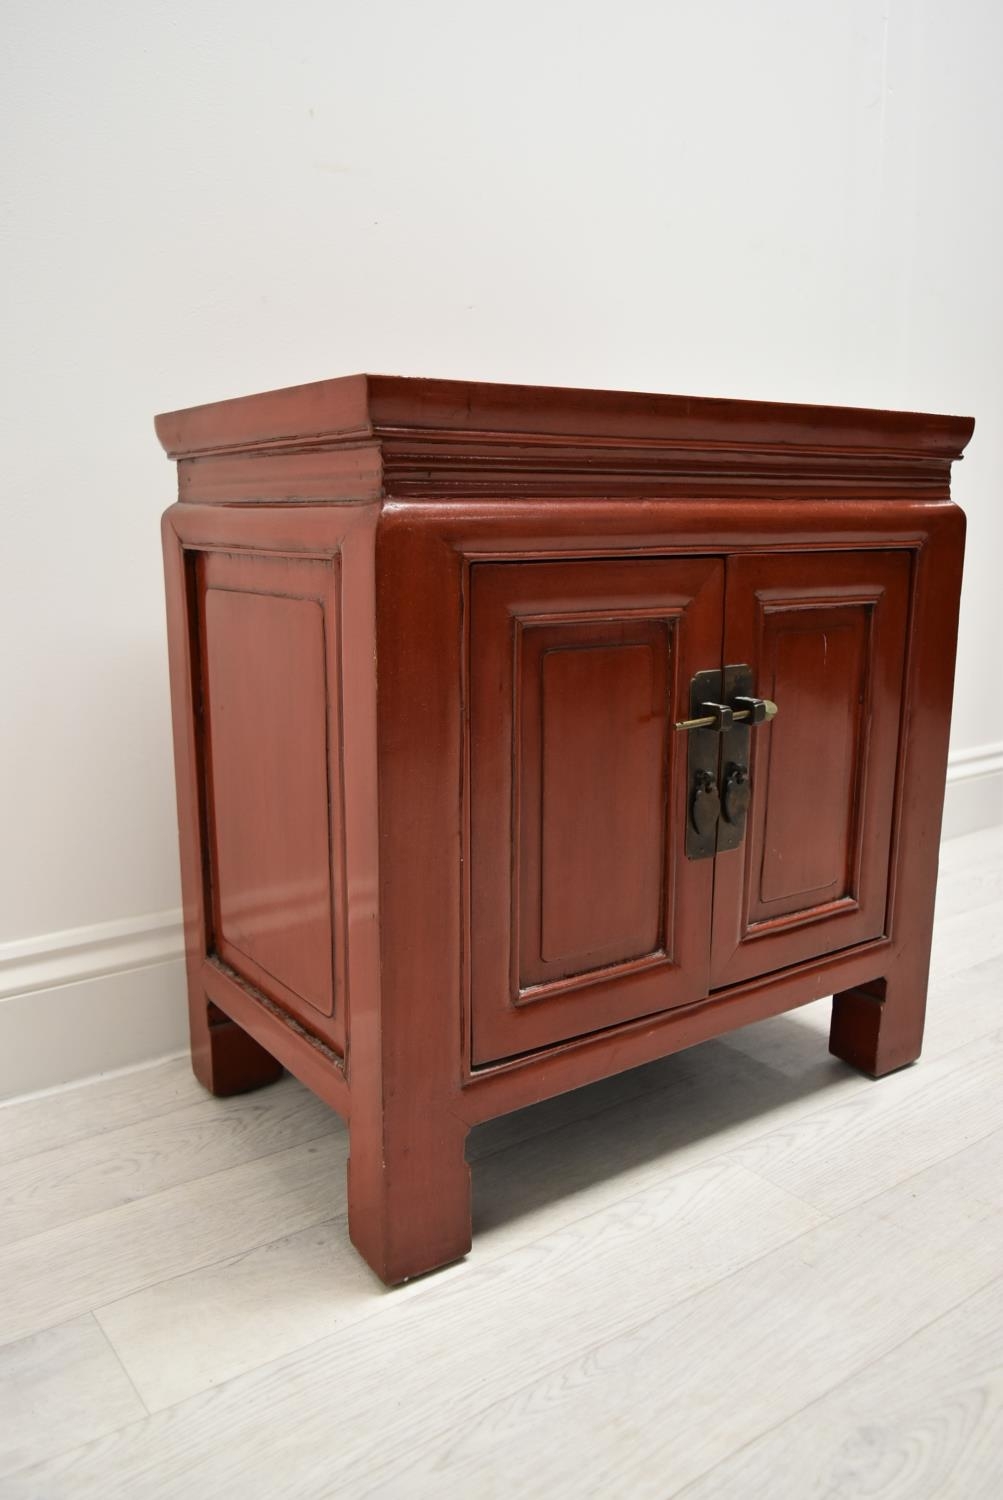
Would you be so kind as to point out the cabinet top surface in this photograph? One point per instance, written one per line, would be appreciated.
(394, 409)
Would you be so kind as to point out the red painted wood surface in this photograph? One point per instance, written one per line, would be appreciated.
(431, 806)
(265, 727)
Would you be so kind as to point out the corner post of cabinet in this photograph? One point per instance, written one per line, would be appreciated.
(878, 1027)
(409, 1183)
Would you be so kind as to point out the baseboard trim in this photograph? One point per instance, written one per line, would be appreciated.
(90, 1000)
(78, 953)
(973, 797)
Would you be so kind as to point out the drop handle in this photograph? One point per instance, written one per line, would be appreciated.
(705, 803)
(722, 716)
(736, 793)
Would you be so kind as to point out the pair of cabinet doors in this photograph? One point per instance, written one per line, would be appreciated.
(585, 910)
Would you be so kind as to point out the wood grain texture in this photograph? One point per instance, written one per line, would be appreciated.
(58, 1389)
(626, 1148)
(220, 1320)
(48, 1121)
(922, 1423)
(649, 1410)
(645, 1392)
(873, 1139)
(508, 1305)
(107, 1171)
(91, 1261)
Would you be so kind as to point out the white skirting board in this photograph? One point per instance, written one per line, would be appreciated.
(95, 999)
(83, 1024)
(974, 797)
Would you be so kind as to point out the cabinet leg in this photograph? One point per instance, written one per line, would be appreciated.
(225, 1060)
(878, 1027)
(409, 1196)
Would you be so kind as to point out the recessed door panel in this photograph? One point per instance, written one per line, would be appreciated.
(815, 659)
(594, 762)
(826, 636)
(584, 910)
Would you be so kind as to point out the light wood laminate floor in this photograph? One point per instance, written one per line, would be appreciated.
(742, 1271)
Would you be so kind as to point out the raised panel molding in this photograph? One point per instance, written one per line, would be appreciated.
(593, 845)
(270, 643)
(272, 856)
(823, 648)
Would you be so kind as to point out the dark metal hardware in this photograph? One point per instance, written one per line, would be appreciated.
(719, 716)
(737, 687)
(705, 805)
(703, 751)
(737, 793)
(723, 712)
(760, 709)
(722, 716)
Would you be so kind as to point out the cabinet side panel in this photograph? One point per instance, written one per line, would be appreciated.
(268, 639)
(265, 677)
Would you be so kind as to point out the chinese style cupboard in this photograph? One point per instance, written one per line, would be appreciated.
(524, 735)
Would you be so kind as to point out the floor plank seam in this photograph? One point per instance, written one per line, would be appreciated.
(828, 1214)
(75, 1449)
(825, 1215)
(939, 1161)
(213, 1265)
(122, 1366)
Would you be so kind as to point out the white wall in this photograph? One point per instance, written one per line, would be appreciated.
(785, 199)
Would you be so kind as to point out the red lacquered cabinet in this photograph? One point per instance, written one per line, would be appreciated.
(524, 735)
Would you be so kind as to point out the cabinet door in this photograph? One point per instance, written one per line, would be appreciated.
(584, 910)
(825, 635)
